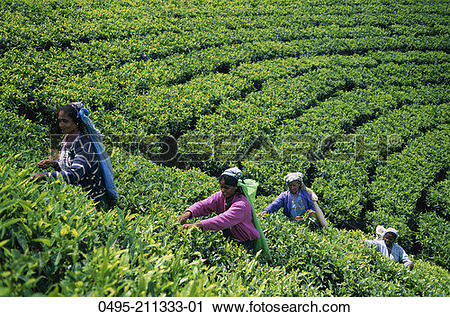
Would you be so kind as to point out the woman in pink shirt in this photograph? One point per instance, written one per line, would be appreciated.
(232, 209)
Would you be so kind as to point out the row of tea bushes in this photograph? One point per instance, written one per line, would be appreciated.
(53, 241)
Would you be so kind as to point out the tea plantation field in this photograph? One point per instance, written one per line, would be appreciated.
(353, 93)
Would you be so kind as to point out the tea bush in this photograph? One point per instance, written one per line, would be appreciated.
(423, 160)
(55, 242)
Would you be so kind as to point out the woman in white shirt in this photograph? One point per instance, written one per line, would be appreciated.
(387, 246)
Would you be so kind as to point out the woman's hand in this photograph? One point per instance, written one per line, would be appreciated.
(188, 225)
(38, 177)
(262, 213)
(46, 163)
(184, 217)
(309, 214)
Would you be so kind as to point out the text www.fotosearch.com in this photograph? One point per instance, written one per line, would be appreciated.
(262, 307)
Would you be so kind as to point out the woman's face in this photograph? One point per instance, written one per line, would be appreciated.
(389, 238)
(227, 190)
(66, 124)
(294, 187)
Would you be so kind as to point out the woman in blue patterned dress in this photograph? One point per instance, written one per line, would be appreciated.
(299, 202)
(82, 157)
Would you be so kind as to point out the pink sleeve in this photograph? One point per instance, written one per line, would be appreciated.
(206, 206)
(234, 215)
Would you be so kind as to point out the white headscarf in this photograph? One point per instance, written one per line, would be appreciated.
(234, 172)
(298, 176)
(381, 232)
(392, 230)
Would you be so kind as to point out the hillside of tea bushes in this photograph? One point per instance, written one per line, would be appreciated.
(352, 93)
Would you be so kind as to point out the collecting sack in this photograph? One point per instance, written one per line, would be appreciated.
(249, 187)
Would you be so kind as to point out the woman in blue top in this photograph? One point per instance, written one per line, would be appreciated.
(80, 157)
(299, 202)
